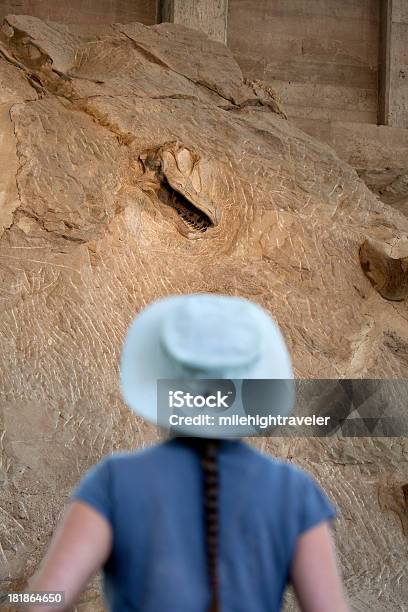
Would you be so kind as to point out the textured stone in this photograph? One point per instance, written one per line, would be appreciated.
(142, 164)
(379, 153)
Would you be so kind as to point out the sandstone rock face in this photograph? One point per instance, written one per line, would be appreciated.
(137, 163)
(379, 154)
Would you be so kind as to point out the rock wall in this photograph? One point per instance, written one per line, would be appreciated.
(321, 56)
(87, 12)
(136, 163)
(379, 154)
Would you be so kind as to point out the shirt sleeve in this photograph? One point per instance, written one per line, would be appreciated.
(316, 507)
(95, 489)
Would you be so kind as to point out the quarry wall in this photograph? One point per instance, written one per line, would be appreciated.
(83, 11)
(320, 56)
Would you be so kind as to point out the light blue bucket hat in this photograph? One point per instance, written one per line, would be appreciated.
(205, 336)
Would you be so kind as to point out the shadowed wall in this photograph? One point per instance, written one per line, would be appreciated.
(83, 11)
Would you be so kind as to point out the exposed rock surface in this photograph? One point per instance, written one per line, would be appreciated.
(136, 162)
(379, 153)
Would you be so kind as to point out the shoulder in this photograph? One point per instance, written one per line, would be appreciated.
(279, 468)
(298, 491)
(295, 485)
(156, 453)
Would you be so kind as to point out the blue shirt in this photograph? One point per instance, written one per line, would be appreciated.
(153, 501)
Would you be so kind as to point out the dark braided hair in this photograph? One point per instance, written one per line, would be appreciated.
(208, 452)
(209, 462)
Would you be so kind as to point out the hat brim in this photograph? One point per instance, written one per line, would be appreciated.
(143, 362)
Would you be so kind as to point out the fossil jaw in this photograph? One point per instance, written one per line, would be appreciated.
(173, 174)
